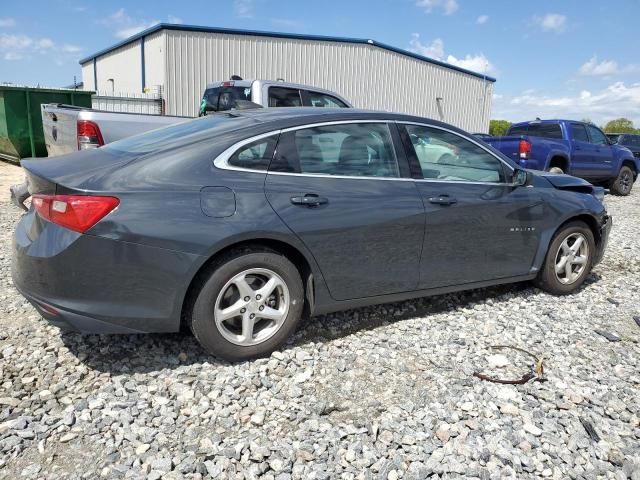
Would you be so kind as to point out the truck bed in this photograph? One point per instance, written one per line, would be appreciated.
(60, 122)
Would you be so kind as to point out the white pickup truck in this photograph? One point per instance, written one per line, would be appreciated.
(68, 129)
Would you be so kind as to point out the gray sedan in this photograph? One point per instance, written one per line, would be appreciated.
(239, 223)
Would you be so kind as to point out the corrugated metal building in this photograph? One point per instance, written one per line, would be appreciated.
(182, 59)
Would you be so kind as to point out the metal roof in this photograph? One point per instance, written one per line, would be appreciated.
(296, 36)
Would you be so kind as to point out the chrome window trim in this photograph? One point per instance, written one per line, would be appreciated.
(221, 161)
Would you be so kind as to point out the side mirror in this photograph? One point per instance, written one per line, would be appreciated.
(520, 178)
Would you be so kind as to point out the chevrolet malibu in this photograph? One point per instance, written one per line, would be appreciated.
(238, 224)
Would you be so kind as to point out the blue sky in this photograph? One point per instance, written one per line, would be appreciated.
(569, 58)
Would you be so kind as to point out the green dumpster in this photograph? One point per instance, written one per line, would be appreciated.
(21, 132)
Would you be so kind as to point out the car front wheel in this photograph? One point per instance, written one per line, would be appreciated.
(248, 306)
(569, 259)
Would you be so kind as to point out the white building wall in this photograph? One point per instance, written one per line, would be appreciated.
(368, 76)
(123, 66)
(87, 76)
(154, 59)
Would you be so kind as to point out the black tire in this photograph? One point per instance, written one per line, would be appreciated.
(623, 183)
(203, 324)
(557, 170)
(547, 279)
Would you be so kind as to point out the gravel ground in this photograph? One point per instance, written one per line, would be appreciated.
(384, 392)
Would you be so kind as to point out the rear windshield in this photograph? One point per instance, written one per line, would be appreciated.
(544, 130)
(181, 133)
(219, 99)
(631, 140)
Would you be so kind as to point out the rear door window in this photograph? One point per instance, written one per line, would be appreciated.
(284, 97)
(578, 132)
(543, 130)
(351, 150)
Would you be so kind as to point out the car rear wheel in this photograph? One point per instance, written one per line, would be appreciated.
(248, 306)
(623, 183)
(557, 170)
(569, 259)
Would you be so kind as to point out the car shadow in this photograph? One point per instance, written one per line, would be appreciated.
(143, 353)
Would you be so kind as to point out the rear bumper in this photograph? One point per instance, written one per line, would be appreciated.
(605, 229)
(98, 285)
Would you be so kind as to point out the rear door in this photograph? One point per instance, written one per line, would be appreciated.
(602, 166)
(478, 226)
(340, 188)
(582, 150)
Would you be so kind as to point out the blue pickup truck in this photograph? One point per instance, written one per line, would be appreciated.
(567, 146)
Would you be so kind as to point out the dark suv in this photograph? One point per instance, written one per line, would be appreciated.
(629, 140)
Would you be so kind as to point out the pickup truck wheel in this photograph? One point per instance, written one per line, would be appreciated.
(249, 305)
(569, 259)
(623, 183)
(556, 170)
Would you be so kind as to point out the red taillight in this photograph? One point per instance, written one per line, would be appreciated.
(89, 135)
(75, 212)
(228, 84)
(524, 148)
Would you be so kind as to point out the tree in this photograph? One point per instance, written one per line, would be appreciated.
(620, 125)
(498, 128)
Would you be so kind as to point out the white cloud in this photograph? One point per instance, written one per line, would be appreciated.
(475, 63)
(126, 26)
(449, 7)
(482, 19)
(68, 48)
(131, 31)
(552, 22)
(174, 19)
(243, 8)
(12, 56)
(605, 68)
(435, 49)
(17, 47)
(615, 101)
(7, 22)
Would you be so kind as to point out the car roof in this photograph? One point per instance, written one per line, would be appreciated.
(286, 117)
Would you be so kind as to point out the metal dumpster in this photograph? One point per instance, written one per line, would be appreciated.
(21, 132)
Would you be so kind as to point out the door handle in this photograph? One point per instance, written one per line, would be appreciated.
(443, 200)
(310, 200)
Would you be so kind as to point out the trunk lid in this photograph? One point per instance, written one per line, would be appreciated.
(48, 175)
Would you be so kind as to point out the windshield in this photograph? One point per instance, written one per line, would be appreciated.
(220, 99)
(180, 133)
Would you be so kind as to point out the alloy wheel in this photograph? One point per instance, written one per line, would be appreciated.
(572, 258)
(625, 182)
(252, 306)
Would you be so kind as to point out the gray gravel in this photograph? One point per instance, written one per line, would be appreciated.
(384, 392)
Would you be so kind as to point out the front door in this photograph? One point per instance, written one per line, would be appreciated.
(582, 151)
(478, 226)
(602, 166)
(339, 188)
